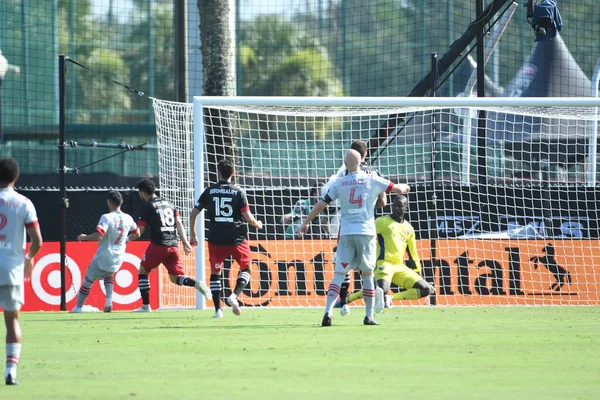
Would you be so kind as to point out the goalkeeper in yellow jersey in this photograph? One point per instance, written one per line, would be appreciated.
(396, 237)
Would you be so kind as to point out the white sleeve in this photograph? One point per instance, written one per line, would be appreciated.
(341, 172)
(102, 226)
(333, 191)
(382, 184)
(133, 225)
(30, 214)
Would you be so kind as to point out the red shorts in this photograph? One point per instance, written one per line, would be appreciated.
(166, 255)
(240, 252)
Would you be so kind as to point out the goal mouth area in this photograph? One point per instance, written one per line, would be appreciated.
(500, 215)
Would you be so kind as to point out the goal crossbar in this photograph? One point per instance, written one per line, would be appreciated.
(438, 102)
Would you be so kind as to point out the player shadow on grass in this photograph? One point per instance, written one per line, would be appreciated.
(261, 326)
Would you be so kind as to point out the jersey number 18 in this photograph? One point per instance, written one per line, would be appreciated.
(167, 218)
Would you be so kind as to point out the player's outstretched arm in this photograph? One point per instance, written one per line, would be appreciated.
(36, 244)
(187, 247)
(381, 200)
(316, 210)
(249, 218)
(134, 235)
(92, 237)
(401, 188)
(413, 255)
(193, 234)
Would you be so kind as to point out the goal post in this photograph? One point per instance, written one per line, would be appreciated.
(526, 236)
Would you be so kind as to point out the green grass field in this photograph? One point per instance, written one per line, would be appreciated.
(429, 353)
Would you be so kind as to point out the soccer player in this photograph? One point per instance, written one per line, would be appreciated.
(396, 237)
(357, 193)
(112, 232)
(17, 214)
(227, 210)
(163, 219)
(361, 147)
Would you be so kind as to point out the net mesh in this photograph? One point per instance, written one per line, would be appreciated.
(176, 176)
(514, 222)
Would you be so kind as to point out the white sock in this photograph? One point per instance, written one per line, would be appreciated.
(13, 352)
(334, 291)
(369, 294)
(108, 286)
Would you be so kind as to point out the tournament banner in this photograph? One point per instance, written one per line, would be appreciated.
(42, 292)
(297, 273)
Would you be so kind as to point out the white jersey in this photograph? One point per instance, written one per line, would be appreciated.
(16, 214)
(357, 193)
(114, 228)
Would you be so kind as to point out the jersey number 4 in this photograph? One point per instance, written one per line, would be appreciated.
(355, 200)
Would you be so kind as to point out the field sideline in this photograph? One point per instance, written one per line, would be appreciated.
(427, 353)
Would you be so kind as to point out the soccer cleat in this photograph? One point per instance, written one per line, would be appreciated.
(76, 310)
(345, 310)
(388, 301)
(144, 308)
(234, 304)
(108, 308)
(379, 302)
(218, 314)
(326, 320)
(201, 287)
(10, 380)
(370, 321)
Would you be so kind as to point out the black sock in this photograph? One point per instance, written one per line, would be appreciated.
(215, 289)
(183, 280)
(242, 281)
(144, 286)
(344, 289)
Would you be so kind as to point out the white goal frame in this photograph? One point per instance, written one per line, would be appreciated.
(201, 102)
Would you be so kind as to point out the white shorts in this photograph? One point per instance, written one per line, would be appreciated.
(11, 297)
(94, 272)
(355, 251)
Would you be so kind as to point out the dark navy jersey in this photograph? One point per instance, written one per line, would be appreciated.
(368, 169)
(224, 203)
(159, 215)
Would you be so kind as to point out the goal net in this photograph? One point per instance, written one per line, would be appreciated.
(503, 198)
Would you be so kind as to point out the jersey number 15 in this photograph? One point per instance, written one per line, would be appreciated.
(222, 206)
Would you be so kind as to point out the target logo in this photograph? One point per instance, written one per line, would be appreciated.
(45, 278)
(125, 288)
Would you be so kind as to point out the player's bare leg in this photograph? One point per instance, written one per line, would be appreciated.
(13, 346)
(240, 284)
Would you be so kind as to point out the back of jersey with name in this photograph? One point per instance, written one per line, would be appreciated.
(161, 215)
(357, 194)
(225, 203)
(115, 227)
